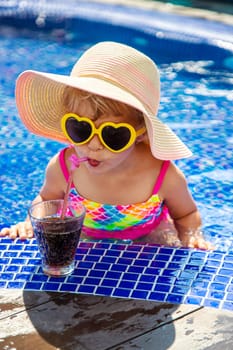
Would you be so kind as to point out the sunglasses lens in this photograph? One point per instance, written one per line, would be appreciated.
(78, 131)
(116, 138)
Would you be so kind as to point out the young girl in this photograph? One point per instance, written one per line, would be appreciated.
(106, 110)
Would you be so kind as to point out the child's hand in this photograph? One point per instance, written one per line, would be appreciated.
(22, 230)
(196, 240)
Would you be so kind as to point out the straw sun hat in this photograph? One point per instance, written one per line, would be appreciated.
(108, 69)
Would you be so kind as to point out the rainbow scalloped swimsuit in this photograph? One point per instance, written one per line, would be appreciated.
(128, 222)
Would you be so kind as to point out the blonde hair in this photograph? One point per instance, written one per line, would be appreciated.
(73, 97)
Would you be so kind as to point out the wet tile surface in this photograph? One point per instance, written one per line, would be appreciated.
(79, 322)
(47, 321)
(144, 272)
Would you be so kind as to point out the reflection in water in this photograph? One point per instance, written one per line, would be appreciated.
(73, 322)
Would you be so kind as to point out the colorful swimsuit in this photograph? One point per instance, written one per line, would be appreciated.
(130, 221)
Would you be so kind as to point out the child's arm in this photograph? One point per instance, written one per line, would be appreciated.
(53, 188)
(183, 210)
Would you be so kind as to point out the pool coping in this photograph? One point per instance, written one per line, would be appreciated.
(130, 271)
(212, 15)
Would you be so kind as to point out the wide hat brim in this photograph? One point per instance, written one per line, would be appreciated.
(39, 99)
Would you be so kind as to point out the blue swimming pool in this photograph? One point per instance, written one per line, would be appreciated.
(196, 67)
(196, 64)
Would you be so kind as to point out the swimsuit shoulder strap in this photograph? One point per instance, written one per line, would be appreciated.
(62, 162)
(161, 176)
(63, 165)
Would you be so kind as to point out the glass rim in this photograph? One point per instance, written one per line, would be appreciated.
(77, 204)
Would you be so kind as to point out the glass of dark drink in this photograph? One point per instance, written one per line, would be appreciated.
(57, 237)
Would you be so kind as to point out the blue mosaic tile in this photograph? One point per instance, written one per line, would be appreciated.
(175, 299)
(193, 300)
(36, 286)
(3, 284)
(70, 279)
(113, 275)
(135, 271)
(9, 254)
(221, 279)
(22, 277)
(212, 303)
(153, 271)
(159, 264)
(86, 289)
(229, 258)
(96, 273)
(15, 285)
(121, 293)
(51, 287)
(106, 291)
(162, 287)
(11, 268)
(198, 292)
(69, 287)
(92, 281)
(157, 296)
(139, 294)
(225, 272)
(147, 278)
(227, 306)
(107, 259)
(40, 278)
(180, 290)
(84, 264)
(216, 294)
(182, 282)
(205, 276)
(113, 283)
(229, 296)
(127, 284)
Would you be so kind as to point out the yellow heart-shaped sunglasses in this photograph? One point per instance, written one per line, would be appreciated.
(116, 137)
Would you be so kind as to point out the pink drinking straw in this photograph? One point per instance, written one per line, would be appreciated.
(75, 162)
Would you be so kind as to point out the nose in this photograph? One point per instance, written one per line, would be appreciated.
(95, 144)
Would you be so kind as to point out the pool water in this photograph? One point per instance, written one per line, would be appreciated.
(196, 99)
(219, 6)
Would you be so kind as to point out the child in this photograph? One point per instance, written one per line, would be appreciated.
(106, 110)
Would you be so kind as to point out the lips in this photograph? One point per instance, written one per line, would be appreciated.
(93, 162)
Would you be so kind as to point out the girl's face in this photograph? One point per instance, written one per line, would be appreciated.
(101, 159)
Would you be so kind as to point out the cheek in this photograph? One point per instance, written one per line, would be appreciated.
(118, 158)
(80, 150)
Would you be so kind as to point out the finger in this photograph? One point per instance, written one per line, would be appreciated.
(24, 230)
(209, 246)
(192, 242)
(190, 245)
(177, 243)
(13, 233)
(5, 231)
(201, 244)
(29, 229)
(22, 233)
